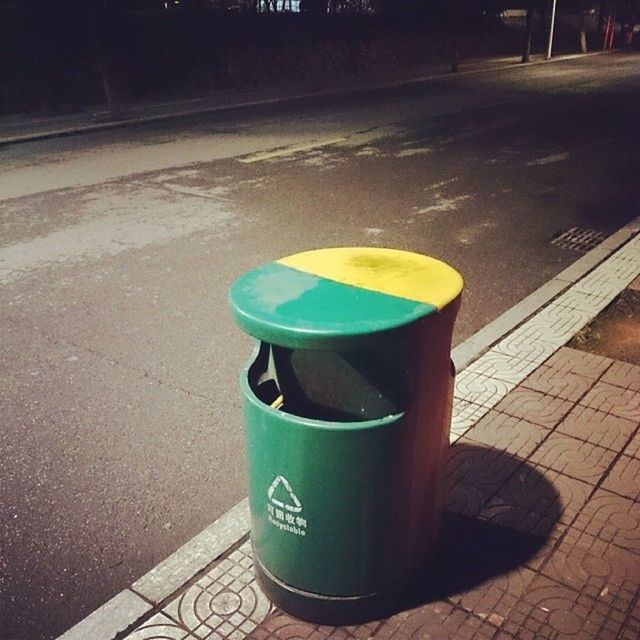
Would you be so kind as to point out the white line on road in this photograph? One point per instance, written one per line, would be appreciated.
(289, 151)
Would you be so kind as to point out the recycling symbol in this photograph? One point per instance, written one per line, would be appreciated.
(281, 495)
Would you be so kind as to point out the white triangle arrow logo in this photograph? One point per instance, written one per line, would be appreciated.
(285, 498)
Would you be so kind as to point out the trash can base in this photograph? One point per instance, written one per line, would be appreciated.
(330, 610)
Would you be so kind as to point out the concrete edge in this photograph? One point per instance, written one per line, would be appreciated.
(126, 608)
(92, 127)
(112, 618)
(130, 605)
(171, 574)
(472, 348)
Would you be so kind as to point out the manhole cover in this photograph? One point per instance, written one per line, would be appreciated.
(577, 239)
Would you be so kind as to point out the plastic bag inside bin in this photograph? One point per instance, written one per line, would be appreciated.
(335, 386)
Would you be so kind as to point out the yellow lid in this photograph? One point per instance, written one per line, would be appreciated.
(398, 273)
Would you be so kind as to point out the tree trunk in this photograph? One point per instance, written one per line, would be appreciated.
(526, 53)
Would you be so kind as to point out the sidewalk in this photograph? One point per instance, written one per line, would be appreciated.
(23, 128)
(542, 527)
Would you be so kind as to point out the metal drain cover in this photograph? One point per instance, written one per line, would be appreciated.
(577, 239)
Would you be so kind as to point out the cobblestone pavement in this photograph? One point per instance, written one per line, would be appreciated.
(541, 536)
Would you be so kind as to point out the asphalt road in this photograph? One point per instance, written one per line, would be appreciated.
(121, 426)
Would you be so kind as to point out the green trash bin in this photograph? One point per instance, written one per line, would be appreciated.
(347, 405)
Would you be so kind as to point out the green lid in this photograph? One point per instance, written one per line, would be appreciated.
(336, 298)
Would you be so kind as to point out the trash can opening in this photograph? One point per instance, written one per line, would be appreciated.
(334, 386)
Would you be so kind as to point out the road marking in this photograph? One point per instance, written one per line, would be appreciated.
(134, 220)
(289, 151)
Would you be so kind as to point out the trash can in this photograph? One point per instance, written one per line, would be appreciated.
(347, 404)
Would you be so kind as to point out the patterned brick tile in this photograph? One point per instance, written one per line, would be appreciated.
(503, 367)
(502, 431)
(583, 303)
(559, 322)
(281, 626)
(505, 514)
(549, 610)
(611, 518)
(573, 457)
(529, 342)
(560, 384)
(544, 491)
(465, 415)
(496, 597)
(632, 627)
(624, 478)
(442, 621)
(624, 403)
(633, 448)
(595, 568)
(481, 389)
(623, 374)
(551, 541)
(606, 281)
(160, 627)
(464, 499)
(483, 467)
(224, 603)
(587, 365)
(596, 427)
(536, 501)
(535, 407)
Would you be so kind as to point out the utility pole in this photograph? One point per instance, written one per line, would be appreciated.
(551, 28)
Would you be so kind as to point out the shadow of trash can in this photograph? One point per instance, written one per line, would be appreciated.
(347, 404)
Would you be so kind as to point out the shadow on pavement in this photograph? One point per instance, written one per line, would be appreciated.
(474, 550)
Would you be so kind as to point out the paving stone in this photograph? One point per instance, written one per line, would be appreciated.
(529, 342)
(545, 491)
(606, 281)
(442, 621)
(595, 568)
(160, 627)
(624, 478)
(560, 384)
(633, 448)
(484, 467)
(598, 428)
(632, 627)
(551, 610)
(503, 367)
(535, 501)
(508, 433)
(624, 403)
(558, 322)
(465, 415)
(535, 407)
(496, 597)
(464, 499)
(611, 518)
(225, 603)
(588, 365)
(551, 541)
(481, 389)
(281, 626)
(573, 457)
(623, 374)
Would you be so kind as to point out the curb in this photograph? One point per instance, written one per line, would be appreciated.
(92, 127)
(126, 610)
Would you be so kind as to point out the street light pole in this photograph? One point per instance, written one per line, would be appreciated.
(551, 28)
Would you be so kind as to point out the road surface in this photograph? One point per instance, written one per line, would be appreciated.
(121, 426)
